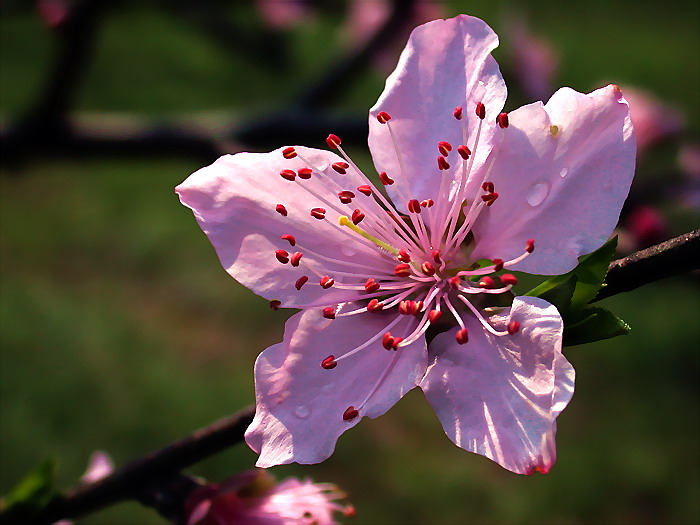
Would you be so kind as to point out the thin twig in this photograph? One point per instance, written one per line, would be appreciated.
(131, 480)
(669, 258)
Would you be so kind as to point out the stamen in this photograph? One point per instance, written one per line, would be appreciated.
(350, 413)
(480, 110)
(427, 268)
(340, 167)
(288, 174)
(442, 163)
(464, 151)
(289, 153)
(289, 237)
(530, 245)
(367, 190)
(404, 256)
(488, 187)
(489, 198)
(275, 304)
(301, 281)
(333, 141)
(357, 217)
(346, 196)
(402, 270)
(318, 213)
(444, 148)
(329, 363)
(329, 312)
(282, 256)
(413, 206)
(371, 285)
(383, 117)
(281, 210)
(497, 265)
(457, 113)
(296, 257)
(509, 279)
(513, 327)
(326, 282)
(386, 180)
(462, 336)
(343, 220)
(502, 120)
(305, 173)
(436, 256)
(375, 306)
(427, 203)
(388, 341)
(487, 282)
(434, 316)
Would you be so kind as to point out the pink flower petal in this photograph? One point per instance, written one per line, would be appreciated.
(446, 63)
(562, 186)
(500, 396)
(300, 405)
(234, 201)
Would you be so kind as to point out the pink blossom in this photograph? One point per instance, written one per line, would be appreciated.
(653, 120)
(100, 465)
(304, 228)
(253, 498)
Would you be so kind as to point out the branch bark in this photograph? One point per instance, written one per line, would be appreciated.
(666, 259)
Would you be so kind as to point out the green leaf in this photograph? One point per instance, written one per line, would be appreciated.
(590, 274)
(33, 493)
(595, 324)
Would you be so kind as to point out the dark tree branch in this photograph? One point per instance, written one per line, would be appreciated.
(144, 479)
(669, 258)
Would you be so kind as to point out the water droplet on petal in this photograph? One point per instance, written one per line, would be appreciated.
(302, 412)
(348, 250)
(564, 172)
(481, 82)
(537, 193)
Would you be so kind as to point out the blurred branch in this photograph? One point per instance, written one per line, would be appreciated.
(666, 259)
(155, 479)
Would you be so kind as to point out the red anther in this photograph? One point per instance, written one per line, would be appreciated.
(346, 196)
(403, 256)
(513, 327)
(434, 316)
(289, 237)
(329, 363)
(487, 282)
(288, 174)
(427, 268)
(480, 110)
(405, 307)
(427, 203)
(416, 307)
(442, 163)
(301, 281)
(462, 336)
(367, 190)
(436, 256)
(413, 206)
(488, 186)
(318, 213)
(282, 256)
(489, 198)
(502, 120)
(340, 167)
(275, 304)
(349, 511)
(289, 153)
(464, 151)
(457, 113)
(295, 258)
(383, 117)
(509, 278)
(402, 270)
(305, 173)
(395, 345)
(350, 413)
(387, 341)
(375, 306)
(444, 148)
(333, 141)
(386, 180)
(329, 312)
(530, 245)
(455, 282)
(281, 209)
(371, 285)
(357, 217)
(326, 282)
(497, 265)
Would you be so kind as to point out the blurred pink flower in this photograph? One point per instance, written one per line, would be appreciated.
(652, 119)
(284, 13)
(100, 465)
(535, 60)
(467, 183)
(644, 226)
(253, 498)
(53, 12)
(689, 164)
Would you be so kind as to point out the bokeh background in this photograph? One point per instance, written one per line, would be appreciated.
(121, 332)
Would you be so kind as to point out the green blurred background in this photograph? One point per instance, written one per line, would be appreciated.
(121, 332)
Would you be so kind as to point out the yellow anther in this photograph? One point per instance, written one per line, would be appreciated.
(343, 220)
(554, 130)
